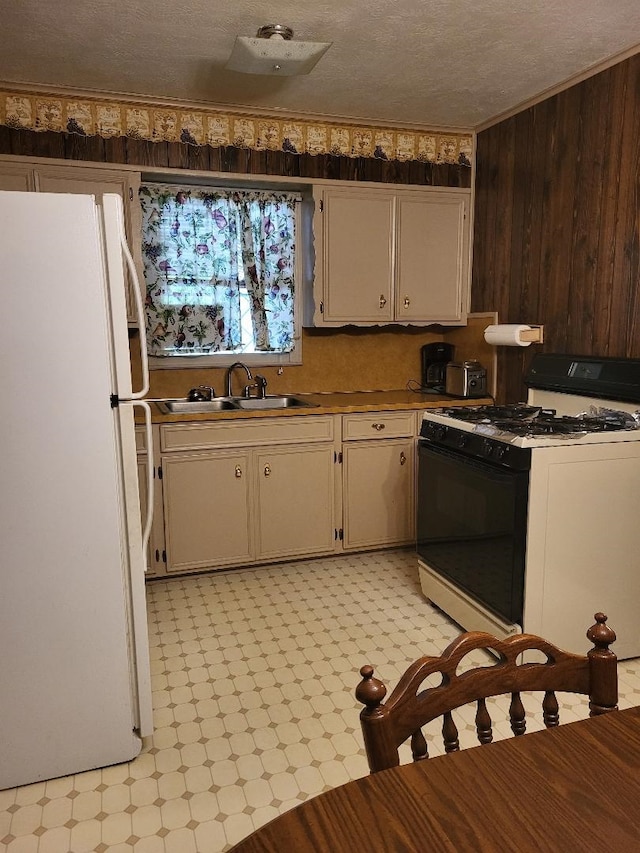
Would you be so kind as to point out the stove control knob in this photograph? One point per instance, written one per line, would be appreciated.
(501, 452)
(440, 432)
(462, 440)
(487, 447)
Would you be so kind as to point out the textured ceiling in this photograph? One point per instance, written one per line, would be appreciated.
(433, 63)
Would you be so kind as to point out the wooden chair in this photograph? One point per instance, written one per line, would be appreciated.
(386, 726)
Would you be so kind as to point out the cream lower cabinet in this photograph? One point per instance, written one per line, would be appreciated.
(155, 555)
(207, 510)
(253, 491)
(247, 491)
(378, 479)
(295, 501)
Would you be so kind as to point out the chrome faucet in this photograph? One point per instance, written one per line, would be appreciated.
(229, 373)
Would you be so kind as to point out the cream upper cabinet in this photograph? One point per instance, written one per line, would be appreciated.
(52, 178)
(93, 181)
(431, 262)
(390, 255)
(357, 255)
(378, 479)
(16, 177)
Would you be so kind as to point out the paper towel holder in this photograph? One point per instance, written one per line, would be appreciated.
(533, 335)
(514, 334)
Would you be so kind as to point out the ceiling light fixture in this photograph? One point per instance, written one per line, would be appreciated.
(274, 52)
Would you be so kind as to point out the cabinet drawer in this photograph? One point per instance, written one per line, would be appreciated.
(246, 433)
(382, 425)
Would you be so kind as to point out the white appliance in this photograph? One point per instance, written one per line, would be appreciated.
(75, 688)
(524, 529)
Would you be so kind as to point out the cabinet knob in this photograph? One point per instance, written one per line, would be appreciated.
(403, 458)
(378, 427)
(383, 301)
(407, 302)
(267, 470)
(238, 472)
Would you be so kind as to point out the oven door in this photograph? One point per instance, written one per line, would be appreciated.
(471, 526)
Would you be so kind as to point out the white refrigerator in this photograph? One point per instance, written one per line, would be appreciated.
(75, 688)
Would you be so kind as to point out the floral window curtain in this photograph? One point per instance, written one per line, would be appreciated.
(267, 251)
(200, 246)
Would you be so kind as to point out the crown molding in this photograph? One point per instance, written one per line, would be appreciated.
(569, 83)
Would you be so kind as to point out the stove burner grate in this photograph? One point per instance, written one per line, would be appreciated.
(491, 414)
(524, 420)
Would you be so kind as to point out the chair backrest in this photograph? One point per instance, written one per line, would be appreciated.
(386, 726)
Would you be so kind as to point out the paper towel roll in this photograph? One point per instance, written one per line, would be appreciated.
(506, 335)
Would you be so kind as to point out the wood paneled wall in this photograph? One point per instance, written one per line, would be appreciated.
(178, 155)
(557, 221)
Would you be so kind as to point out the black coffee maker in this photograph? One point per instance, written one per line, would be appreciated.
(435, 358)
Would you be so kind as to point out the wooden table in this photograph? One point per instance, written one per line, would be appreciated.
(573, 788)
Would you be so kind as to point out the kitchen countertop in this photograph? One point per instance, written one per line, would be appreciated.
(341, 402)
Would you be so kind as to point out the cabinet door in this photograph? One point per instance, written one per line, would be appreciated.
(71, 179)
(432, 262)
(378, 496)
(15, 177)
(295, 493)
(357, 253)
(153, 555)
(206, 510)
(156, 549)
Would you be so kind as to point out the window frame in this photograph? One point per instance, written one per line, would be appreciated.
(251, 359)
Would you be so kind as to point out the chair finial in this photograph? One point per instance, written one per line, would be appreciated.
(600, 634)
(370, 691)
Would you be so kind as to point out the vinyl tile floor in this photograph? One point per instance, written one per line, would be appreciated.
(253, 675)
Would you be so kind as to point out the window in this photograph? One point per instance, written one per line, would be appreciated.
(220, 274)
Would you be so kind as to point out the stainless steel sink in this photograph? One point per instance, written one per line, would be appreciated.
(225, 404)
(194, 407)
(272, 401)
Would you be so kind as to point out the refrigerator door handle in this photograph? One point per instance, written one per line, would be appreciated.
(144, 359)
(146, 531)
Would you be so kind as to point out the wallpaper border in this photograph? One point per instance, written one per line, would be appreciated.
(217, 128)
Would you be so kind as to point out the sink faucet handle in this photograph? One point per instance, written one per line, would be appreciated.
(202, 392)
(261, 384)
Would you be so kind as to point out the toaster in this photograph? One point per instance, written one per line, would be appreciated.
(466, 379)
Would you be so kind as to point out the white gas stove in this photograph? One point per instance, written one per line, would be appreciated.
(527, 514)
